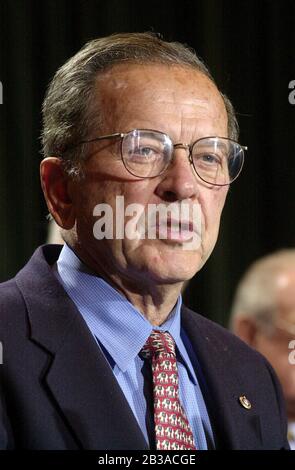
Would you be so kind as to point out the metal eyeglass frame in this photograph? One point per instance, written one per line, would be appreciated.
(188, 147)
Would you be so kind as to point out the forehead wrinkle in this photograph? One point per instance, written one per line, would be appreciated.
(188, 99)
(191, 101)
(191, 105)
(164, 95)
(190, 126)
(207, 104)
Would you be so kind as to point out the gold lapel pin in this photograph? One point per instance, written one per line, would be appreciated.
(245, 402)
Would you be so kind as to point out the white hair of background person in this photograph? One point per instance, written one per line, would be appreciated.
(256, 292)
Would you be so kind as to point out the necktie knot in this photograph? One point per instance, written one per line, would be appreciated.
(158, 342)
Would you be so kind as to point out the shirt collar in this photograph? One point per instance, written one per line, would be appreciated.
(112, 319)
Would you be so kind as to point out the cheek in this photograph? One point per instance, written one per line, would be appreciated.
(116, 195)
(87, 198)
(212, 204)
(100, 192)
(219, 197)
(139, 191)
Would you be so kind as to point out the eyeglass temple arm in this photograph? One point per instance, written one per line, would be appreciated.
(110, 136)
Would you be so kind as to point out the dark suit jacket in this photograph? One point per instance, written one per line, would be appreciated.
(57, 391)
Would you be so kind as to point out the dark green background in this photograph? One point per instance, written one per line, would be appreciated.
(250, 49)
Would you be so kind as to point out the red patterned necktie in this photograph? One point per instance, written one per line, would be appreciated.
(172, 428)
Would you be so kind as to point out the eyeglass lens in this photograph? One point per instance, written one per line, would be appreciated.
(148, 153)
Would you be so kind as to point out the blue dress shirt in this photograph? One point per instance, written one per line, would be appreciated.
(121, 332)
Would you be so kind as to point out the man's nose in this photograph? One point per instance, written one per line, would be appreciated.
(179, 180)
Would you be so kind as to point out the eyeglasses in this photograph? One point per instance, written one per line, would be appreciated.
(147, 153)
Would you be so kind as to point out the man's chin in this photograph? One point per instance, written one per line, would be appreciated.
(178, 266)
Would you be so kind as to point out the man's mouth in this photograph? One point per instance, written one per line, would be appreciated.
(174, 230)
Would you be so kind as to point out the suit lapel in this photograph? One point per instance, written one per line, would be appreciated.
(221, 387)
(79, 379)
(88, 394)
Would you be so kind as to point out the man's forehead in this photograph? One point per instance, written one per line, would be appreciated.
(157, 78)
(165, 88)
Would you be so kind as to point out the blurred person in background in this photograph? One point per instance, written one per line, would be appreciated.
(53, 234)
(263, 315)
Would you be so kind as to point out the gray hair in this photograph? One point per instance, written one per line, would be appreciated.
(68, 111)
(256, 292)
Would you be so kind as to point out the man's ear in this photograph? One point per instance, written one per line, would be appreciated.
(55, 184)
(246, 329)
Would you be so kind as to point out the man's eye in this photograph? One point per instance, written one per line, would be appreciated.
(144, 154)
(208, 159)
(145, 151)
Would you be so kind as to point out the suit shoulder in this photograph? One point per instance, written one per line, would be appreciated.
(11, 303)
(9, 293)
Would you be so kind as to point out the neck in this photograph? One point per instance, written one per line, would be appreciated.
(155, 303)
(153, 299)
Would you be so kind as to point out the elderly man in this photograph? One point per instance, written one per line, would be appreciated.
(263, 315)
(99, 352)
